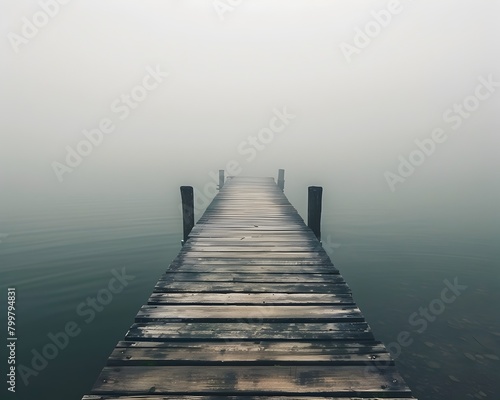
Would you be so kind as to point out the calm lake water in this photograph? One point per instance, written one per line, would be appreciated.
(395, 264)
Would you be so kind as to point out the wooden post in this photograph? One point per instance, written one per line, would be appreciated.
(187, 196)
(221, 178)
(281, 179)
(314, 210)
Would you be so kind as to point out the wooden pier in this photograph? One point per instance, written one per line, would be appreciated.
(252, 307)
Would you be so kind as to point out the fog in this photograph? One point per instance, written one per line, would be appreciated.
(230, 69)
(108, 106)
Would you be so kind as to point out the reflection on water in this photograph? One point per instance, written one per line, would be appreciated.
(59, 258)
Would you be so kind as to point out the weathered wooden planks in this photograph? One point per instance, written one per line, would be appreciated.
(249, 353)
(237, 353)
(268, 313)
(251, 308)
(193, 276)
(229, 268)
(249, 328)
(252, 380)
(268, 255)
(247, 247)
(190, 298)
(246, 287)
(243, 262)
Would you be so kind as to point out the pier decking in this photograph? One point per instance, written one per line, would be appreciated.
(251, 306)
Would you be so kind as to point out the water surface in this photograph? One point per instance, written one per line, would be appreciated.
(395, 263)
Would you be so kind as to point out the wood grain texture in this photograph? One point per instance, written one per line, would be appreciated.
(264, 313)
(250, 277)
(192, 298)
(250, 329)
(252, 287)
(249, 353)
(251, 380)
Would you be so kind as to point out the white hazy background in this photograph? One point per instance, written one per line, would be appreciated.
(353, 120)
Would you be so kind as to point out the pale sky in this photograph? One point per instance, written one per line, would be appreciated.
(228, 71)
